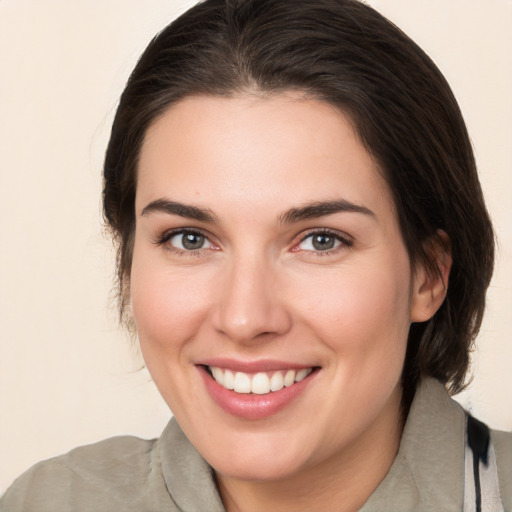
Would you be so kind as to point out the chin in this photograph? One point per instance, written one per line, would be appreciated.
(259, 459)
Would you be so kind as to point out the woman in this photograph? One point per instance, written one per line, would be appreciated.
(304, 252)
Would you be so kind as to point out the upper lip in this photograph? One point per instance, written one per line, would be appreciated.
(262, 365)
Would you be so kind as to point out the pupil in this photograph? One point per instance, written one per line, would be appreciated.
(323, 242)
(193, 241)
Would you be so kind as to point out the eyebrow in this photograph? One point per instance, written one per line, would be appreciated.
(183, 210)
(322, 208)
(309, 211)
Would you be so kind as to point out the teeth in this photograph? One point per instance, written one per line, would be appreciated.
(242, 383)
(302, 374)
(217, 373)
(276, 382)
(260, 383)
(228, 381)
(289, 378)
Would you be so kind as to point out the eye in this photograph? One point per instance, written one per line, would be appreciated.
(187, 241)
(322, 241)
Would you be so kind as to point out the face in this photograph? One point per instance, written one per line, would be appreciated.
(268, 259)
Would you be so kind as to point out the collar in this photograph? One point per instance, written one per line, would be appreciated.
(188, 477)
(427, 473)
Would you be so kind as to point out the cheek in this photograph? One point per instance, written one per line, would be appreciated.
(363, 311)
(169, 309)
(167, 306)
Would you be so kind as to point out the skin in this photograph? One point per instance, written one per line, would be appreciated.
(258, 290)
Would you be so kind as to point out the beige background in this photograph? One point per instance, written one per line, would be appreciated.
(67, 372)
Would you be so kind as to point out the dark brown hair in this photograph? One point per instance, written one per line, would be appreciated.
(345, 53)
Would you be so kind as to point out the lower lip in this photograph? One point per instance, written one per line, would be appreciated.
(251, 406)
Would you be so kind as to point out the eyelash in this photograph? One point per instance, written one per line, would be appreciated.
(344, 241)
(168, 235)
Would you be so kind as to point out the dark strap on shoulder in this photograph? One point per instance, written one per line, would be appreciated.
(478, 440)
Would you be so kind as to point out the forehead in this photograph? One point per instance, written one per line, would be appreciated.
(269, 151)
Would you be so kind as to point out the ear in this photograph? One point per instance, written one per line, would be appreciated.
(430, 282)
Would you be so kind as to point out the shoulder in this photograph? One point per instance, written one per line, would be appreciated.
(121, 473)
(502, 443)
(100, 476)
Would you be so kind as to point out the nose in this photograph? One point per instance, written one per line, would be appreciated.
(250, 307)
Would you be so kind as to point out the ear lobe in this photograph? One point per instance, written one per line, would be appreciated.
(430, 282)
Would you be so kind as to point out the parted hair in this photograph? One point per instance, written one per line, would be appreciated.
(344, 53)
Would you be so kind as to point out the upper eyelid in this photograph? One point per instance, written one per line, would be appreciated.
(333, 232)
(344, 237)
(168, 234)
(346, 242)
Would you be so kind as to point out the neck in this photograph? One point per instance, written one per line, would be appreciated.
(342, 483)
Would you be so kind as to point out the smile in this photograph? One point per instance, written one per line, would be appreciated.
(260, 383)
(255, 390)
